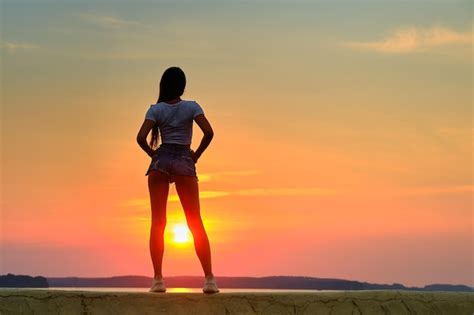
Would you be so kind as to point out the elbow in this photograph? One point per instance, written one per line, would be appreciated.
(140, 139)
(209, 135)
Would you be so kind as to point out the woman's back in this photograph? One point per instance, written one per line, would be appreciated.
(175, 121)
(175, 161)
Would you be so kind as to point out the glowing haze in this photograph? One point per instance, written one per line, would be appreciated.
(342, 149)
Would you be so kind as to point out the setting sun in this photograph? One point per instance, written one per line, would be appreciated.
(181, 233)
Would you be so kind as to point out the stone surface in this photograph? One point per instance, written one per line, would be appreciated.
(44, 301)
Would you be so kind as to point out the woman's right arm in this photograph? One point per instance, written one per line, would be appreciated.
(206, 128)
(142, 135)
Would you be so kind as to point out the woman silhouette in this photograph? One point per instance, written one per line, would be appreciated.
(174, 161)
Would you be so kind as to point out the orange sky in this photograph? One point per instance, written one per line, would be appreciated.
(340, 150)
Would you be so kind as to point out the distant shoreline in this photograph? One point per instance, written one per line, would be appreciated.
(260, 283)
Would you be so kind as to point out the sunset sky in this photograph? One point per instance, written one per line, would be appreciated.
(342, 149)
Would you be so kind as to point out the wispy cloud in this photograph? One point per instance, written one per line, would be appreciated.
(413, 39)
(435, 190)
(207, 194)
(301, 191)
(206, 177)
(108, 21)
(12, 47)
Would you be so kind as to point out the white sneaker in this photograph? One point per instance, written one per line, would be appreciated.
(210, 285)
(158, 285)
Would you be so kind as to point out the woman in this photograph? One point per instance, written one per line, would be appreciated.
(174, 161)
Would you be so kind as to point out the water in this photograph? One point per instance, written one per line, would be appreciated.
(174, 290)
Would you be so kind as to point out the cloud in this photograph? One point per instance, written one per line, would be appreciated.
(304, 191)
(208, 194)
(439, 190)
(413, 39)
(13, 47)
(206, 177)
(107, 21)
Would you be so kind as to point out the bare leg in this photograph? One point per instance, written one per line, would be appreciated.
(158, 187)
(188, 192)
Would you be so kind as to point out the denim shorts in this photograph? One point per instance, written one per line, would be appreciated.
(173, 159)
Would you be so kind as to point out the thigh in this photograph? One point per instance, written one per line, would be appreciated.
(188, 191)
(158, 187)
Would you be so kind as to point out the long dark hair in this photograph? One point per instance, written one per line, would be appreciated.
(172, 84)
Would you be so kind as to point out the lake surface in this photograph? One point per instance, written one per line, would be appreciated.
(172, 290)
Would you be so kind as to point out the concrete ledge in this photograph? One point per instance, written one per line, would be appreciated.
(44, 301)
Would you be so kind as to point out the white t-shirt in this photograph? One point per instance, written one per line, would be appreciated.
(175, 121)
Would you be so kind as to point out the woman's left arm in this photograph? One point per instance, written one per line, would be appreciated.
(142, 135)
